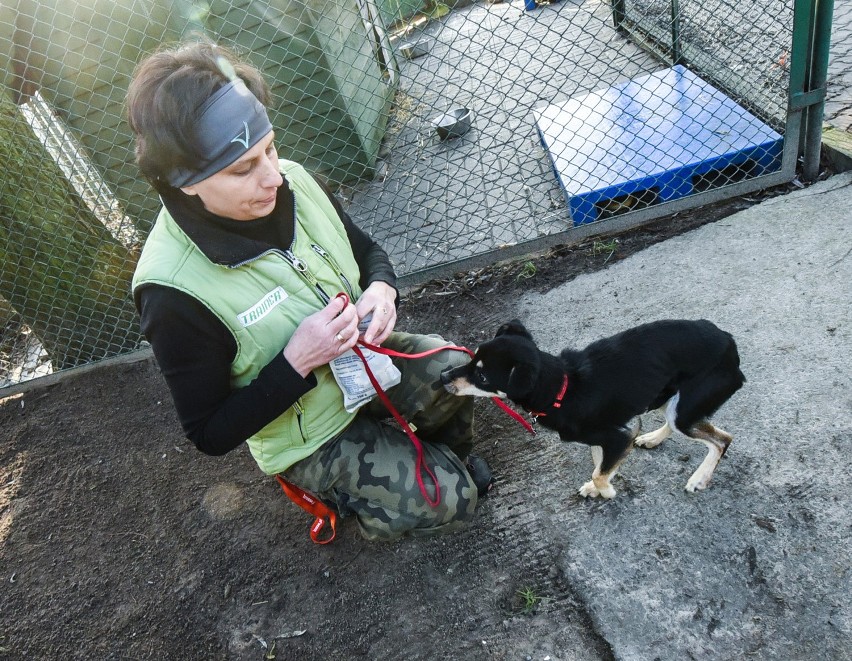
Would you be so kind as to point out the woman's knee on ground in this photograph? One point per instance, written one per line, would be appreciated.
(413, 515)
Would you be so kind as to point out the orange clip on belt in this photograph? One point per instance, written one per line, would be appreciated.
(312, 505)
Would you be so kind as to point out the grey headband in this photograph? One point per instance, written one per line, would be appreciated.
(229, 123)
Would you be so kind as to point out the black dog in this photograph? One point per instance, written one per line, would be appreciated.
(687, 368)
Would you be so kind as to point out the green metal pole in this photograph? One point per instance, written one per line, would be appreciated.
(676, 54)
(618, 15)
(817, 77)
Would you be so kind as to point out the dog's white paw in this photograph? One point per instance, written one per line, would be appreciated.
(697, 483)
(649, 440)
(645, 441)
(608, 492)
(652, 439)
(589, 490)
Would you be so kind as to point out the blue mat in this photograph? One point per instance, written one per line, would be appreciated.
(657, 138)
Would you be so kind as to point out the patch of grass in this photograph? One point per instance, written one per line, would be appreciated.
(527, 271)
(601, 246)
(529, 599)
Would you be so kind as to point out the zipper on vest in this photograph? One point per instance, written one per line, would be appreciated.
(302, 269)
(237, 265)
(300, 413)
(319, 250)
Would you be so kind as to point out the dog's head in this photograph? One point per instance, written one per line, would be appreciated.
(507, 366)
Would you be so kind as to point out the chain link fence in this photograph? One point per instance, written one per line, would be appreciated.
(454, 134)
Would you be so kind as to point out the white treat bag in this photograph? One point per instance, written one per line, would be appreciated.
(352, 378)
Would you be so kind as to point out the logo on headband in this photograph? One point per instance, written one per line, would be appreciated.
(243, 141)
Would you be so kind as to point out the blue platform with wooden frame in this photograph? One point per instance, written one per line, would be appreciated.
(650, 140)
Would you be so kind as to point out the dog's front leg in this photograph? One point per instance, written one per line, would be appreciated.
(607, 457)
(589, 489)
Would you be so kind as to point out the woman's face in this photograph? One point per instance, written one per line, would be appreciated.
(247, 188)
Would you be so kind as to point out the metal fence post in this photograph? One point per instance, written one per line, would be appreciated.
(808, 75)
(676, 53)
(618, 16)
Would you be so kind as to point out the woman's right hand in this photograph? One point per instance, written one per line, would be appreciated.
(323, 336)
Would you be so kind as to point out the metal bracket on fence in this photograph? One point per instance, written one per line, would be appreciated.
(802, 100)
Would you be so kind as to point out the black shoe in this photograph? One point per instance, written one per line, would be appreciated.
(480, 472)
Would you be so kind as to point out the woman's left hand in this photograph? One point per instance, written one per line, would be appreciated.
(380, 300)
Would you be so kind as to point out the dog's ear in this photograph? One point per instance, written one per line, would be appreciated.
(522, 379)
(514, 327)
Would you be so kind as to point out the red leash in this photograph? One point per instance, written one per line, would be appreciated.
(514, 414)
(420, 464)
(390, 352)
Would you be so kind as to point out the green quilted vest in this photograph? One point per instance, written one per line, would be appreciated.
(262, 301)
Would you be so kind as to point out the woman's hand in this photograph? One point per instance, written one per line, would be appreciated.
(380, 300)
(322, 337)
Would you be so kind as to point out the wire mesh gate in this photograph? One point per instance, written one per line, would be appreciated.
(453, 134)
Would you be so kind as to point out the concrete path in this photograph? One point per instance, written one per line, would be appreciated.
(759, 565)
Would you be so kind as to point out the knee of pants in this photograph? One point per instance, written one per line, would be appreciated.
(417, 518)
(447, 360)
(377, 532)
(436, 363)
(457, 358)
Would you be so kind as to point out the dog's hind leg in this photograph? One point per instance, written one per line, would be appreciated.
(653, 438)
(699, 399)
(607, 456)
(717, 441)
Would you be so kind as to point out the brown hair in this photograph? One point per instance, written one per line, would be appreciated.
(165, 93)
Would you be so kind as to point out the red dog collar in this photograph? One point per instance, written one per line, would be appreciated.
(558, 401)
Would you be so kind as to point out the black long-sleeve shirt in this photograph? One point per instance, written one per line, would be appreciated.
(194, 349)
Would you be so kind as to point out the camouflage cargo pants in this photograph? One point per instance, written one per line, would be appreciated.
(369, 469)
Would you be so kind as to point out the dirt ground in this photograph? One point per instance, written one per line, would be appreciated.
(121, 541)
